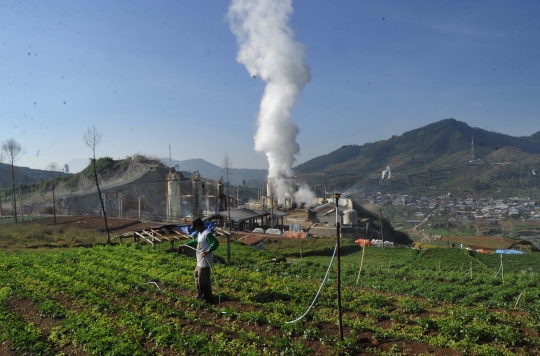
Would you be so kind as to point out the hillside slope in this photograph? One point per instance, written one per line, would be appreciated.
(436, 156)
(211, 171)
(422, 145)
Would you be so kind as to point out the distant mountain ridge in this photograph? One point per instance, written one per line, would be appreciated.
(211, 171)
(23, 175)
(444, 137)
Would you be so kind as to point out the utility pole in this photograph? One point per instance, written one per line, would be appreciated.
(226, 165)
(140, 206)
(380, 218)
(120, 203)
(336, 196)
(20, 198)
(53, 197)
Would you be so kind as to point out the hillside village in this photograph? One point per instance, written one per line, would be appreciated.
(463, 210)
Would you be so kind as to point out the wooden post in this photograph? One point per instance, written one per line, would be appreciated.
(502, 270)
(361, 262)
(380, 218)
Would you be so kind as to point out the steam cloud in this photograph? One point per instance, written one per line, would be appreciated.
(304, 195)
(267, 50)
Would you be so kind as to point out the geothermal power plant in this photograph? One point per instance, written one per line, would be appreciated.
(188, 197)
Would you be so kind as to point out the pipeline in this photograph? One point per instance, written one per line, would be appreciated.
(318, 292)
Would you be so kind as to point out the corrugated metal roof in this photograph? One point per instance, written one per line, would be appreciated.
(243, 214)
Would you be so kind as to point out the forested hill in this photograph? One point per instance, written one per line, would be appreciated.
(444, 137)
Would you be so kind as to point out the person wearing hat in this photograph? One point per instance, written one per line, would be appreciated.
(205, 242)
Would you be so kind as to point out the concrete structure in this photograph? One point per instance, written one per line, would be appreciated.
(326, 214)
(197, 199)
(350, 217)
(221, 198)
(174, 195)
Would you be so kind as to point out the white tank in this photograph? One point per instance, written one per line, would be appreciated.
(174, 196)
(350, 217)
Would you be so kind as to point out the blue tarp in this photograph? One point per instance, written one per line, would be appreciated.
(187, 229)
(510, 252)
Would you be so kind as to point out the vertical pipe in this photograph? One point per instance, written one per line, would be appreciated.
(338, 271)
(339, 284)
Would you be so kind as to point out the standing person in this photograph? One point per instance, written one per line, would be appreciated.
(205, 243)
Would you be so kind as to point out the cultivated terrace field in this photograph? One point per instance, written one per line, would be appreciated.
(96, 301)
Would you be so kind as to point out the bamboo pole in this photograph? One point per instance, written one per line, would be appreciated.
(361, 263)
(519, 298)
(502, 269)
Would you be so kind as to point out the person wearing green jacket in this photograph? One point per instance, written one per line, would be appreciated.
(205, 242)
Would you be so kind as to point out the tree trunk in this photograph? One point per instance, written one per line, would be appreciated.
(102, 205)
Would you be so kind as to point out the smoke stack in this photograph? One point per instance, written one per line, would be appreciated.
(269, 188)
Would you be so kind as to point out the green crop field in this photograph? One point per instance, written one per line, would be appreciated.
(96, 301)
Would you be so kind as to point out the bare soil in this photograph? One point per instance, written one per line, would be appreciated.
(95, 223)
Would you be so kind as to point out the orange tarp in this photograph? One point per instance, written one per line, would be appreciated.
(363, 242)
(296, 235)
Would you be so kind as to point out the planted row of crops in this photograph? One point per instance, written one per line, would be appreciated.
(97, 301)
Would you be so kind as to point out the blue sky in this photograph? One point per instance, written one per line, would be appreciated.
(151, 74)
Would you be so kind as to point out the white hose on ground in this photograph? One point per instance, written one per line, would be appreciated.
(318, 292)
(154, 283)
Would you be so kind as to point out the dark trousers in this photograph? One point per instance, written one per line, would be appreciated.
(203, 283)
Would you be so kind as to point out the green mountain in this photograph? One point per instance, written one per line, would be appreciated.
(426, 143)
(438, 155)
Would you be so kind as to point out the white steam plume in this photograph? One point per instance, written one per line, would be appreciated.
(304, 195)
(267, 49)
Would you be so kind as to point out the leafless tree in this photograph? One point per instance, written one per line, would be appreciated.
(12, 151)
(53, 167)
(92, 137)
(226, 167)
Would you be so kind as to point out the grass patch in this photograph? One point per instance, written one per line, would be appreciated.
(33, 234)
